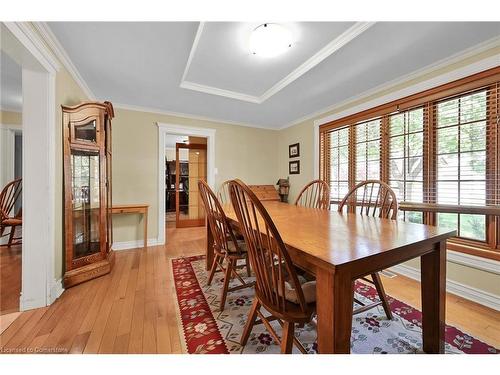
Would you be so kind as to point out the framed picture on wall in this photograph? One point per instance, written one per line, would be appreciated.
(294, 150)
(294, 167)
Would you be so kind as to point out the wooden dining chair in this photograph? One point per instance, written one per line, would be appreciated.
(316, 194)
(228, 250)
(277, 287)
(223, 193)
(9, 196)
(372, 198)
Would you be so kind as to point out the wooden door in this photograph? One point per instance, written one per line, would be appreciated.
(189, 210)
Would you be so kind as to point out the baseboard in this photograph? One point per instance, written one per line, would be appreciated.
(473, 294)
(55, 290)
(135, 244)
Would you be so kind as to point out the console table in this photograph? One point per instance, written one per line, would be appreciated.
(134, 209)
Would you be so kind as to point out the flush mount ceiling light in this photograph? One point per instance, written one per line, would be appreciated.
(270, 39)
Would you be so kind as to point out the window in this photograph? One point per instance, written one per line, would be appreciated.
(461, 161)
(439, 150)
(339, 164)
(406, 160)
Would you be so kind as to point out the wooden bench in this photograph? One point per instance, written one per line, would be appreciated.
(265, 192)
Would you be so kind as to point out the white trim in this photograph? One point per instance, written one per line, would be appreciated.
(473, 294)
(34, 44)
(196, 40)
(479, 66)
(134, 244)
(347, 36)
(62, 55)
(163, 130)
(38, 227)
(483, 264)
(220, 92)
(316, 151)
(39, 153)
(138, 108)
(55, 291)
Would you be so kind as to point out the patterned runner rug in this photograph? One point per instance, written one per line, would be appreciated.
(207, 330)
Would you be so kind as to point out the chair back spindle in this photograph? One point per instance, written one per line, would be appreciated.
(371, 198)
(223, 193)
(268, 254)
(316, 194)
(8, 198)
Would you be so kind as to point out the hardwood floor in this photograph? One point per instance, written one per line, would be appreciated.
(10, 279)
(132, 310)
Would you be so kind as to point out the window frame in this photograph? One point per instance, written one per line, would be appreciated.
(490, 80)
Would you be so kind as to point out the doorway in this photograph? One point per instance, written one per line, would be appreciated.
(202, 160)
(185, 165)
(11, 171)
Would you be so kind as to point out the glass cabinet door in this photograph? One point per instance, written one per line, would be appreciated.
(86, 131)
(85, 202)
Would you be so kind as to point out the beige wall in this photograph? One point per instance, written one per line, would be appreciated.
(240, 152)
(303, 133)
(11, 118)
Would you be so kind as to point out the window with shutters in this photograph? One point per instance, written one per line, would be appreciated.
(439, 150)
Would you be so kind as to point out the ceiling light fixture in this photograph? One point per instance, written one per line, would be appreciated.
(270, 39)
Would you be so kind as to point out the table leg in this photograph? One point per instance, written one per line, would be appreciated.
(209, 258)
(433, 284)
(334, 299)
(146, 228)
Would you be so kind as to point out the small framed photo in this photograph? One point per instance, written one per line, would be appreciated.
(294, 150)
(294, 167)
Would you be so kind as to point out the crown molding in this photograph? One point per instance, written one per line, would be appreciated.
(220, 92)
(440, 79)
(196, 40)
(34, 43)
(187, 116)
(352, 32)
(54, 44)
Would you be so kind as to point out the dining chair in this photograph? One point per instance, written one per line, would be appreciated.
(224, 198)
(372, 198)
(223, 193)
(228, 250)
(316, 194)
(277, 289)
(9, 196)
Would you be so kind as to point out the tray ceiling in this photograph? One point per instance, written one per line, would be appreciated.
(206, 70)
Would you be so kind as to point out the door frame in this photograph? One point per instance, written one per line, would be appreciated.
(165, 129)
(39, 286)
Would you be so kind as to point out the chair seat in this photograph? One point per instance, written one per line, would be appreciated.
(12, 222)
(308, 289)
(241, 244)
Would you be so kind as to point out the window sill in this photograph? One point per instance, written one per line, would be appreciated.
(479, 251)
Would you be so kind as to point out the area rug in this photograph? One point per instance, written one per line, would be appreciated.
(207, 330)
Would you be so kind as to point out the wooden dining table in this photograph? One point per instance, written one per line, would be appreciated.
(340, 248)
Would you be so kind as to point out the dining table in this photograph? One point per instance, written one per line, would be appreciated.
(339, 248)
